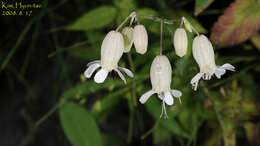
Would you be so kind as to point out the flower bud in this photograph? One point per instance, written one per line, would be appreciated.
(161, 74)
(127, 33)
(140, 39)
(111, 50)
(203, 53)
(187, 24)
(180, 42)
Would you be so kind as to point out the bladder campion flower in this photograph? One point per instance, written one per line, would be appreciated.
(161, 76)
(203, 54)
(111, 51)
(140, 39)
(180, 42)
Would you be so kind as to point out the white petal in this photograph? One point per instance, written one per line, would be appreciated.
(127, 71)
(195, 80)
(219, 72)
(228, 66)
(176, 93)
(145, 96)
(168, 98)
(90, 70)
(120, 75)
(101, 75)
(93, 62)
(161, 96)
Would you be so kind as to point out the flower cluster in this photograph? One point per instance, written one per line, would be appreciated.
(116, 43)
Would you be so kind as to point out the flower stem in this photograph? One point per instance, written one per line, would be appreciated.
(133, 14)
(161, 34)
(158, 19)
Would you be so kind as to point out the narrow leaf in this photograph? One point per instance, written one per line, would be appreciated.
(97, 18)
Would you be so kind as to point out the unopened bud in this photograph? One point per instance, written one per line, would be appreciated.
(187, 24)
(180, 42)
(140, 39)
(127, 33)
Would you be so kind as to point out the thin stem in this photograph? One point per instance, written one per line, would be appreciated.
(151, 130)
(47, 115)
(157, 19)
(161, 36)
(133, 14)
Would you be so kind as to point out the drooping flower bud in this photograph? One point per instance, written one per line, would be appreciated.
(161, 77)
(128, 33)
(203, 54)
(140, 39)
(180, 42)
(111, 50)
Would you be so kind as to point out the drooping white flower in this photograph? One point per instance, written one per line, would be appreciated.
(128, 35)
(111, 51)
(140, 39)
(161, 76)
(203, 54)
(180, 42)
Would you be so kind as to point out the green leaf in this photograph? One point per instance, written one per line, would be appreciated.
(97, 18)
(79, 126)
(177, 14)
(125, 7)
(201, 5)
(239, 21)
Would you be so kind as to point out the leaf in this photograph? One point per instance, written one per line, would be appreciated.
(125, 7)
(79, 126)
(177, 14)
(97, 18)
(201, 5)
(239, 21)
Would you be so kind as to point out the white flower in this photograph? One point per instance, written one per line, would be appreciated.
(161, 76)
(180, 42)
(203, 54)
(140, 39)
(111, 51)
(128, 36)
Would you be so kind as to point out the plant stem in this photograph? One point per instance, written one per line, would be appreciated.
(133, 14)
(158, 19)
(161, 34)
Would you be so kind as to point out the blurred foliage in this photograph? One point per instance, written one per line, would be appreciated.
(221, 112)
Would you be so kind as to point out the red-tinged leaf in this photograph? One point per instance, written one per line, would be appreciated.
(237, 24)
(201, 5)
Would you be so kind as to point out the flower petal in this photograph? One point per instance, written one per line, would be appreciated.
(120, 75)
(219, 72)
(101, 75)
(145, 96)
(127, 71)
(228, 66)
(195, 80)
(176, 93)
(93, 62)
(90, 70)
(168, 98)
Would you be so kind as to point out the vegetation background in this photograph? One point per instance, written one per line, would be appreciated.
(47, 101)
